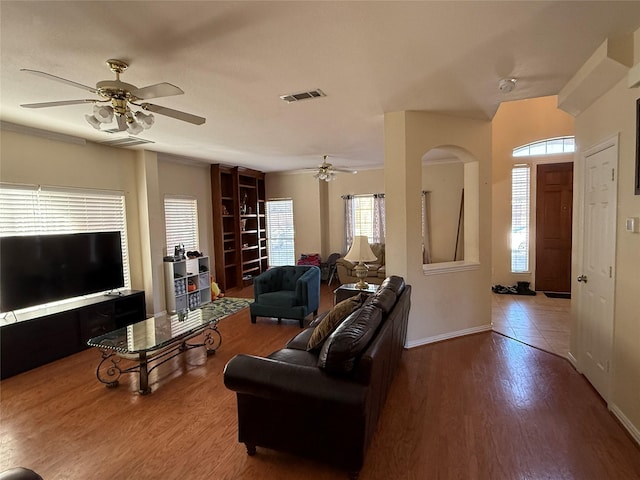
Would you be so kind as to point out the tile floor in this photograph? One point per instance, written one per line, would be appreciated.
(538, 320)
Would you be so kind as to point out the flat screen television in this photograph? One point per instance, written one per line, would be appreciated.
(38, 269)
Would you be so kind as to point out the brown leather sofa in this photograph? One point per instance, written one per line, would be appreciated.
(324, 403)
(377, 271)
(19, 473)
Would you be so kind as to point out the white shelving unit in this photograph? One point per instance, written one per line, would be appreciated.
(187, 284)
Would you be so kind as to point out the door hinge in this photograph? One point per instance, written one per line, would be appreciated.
(613, 174)
(610, 272)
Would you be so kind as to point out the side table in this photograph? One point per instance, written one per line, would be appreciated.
(348, 290)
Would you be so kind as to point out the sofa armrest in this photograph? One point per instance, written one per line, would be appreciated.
(276, 380)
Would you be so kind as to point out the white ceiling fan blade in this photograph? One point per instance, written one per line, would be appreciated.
(344, 170)
(177, 114)
(158, 90)
(60, 79)
(57, 104)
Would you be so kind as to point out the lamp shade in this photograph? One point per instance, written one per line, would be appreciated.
(360, 251)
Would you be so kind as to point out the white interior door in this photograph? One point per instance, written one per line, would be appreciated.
(596, 278)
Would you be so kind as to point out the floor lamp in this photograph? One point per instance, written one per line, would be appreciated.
(360, 252)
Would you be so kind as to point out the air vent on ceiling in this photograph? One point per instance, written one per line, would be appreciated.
(296, 97)
(125, 142)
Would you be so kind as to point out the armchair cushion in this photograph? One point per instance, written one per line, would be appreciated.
(281, 298)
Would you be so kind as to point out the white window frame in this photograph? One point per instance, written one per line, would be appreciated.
(548, 146)
(280, 232)
(181, 223)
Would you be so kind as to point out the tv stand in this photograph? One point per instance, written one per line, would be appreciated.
(57, 332)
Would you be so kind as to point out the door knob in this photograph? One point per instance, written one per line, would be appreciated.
(582, 278)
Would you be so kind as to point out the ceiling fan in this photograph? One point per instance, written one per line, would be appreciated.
(327, 172)
(116, 99)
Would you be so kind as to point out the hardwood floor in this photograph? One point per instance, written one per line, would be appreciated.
(478, 407)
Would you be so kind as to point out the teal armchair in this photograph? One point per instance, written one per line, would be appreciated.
(291, 291)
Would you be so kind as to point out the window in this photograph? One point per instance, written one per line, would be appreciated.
(33, 209)
(364, 216)
(551, 146)
(280, 234)
(181, 223)
(520, 180)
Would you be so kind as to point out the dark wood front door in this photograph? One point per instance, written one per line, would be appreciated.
(554, 200)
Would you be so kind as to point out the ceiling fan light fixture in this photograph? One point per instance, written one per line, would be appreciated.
(93, 121)
(145, 119)
(103, 113)
(134, 128)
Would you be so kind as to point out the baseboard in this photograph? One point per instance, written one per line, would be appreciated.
(631, 428)
(447, 336)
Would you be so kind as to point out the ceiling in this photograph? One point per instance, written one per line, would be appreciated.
(235, 59)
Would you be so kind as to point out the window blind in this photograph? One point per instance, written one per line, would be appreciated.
(33, 210)
(280, 233)
(520, 206)
(181, 223)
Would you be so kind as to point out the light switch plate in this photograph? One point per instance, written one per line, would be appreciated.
(632, 224)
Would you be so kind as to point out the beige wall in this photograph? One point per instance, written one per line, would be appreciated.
(364, 182)
(189, 180)
(614, 113)
(144, 180)
(35, 160)
(446, 303)
(304, 190)
(515, 124)
(445, 182)
(312, 199)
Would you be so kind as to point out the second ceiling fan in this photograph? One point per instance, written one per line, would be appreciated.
(327, 172)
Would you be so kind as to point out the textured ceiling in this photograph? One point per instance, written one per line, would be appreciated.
(235, 59)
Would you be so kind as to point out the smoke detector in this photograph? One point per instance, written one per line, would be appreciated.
(506, 85)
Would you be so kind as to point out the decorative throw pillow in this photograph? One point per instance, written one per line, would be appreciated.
(332, 319)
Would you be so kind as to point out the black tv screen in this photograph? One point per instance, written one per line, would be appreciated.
(38, 269)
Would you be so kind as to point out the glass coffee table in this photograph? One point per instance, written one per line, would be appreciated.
(146, 345)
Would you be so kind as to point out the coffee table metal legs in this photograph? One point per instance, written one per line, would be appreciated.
(109, 369)
(143, 385)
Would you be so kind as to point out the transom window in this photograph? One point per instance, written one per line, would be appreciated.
(550, 146)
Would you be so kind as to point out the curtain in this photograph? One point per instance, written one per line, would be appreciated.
(349, 223)
(379, 219)
(426, 227)
(364, 215)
